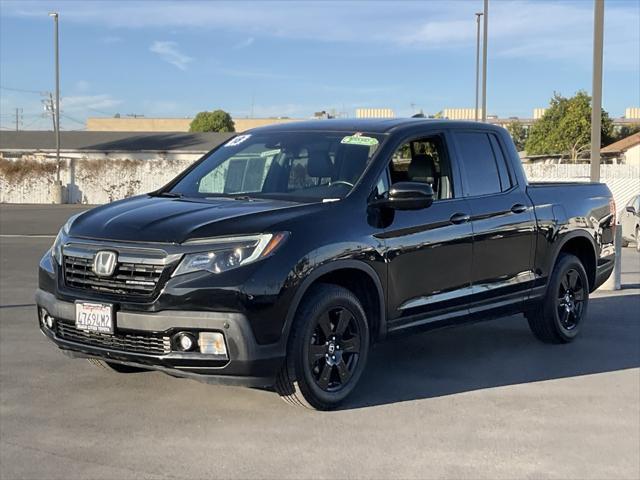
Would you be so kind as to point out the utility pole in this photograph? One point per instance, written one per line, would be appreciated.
(484, 59)
(596, 94)
(51, 108)
(478, 15)
(56, 112)
(18, 112)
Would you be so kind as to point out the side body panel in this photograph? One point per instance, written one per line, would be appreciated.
(578, 212)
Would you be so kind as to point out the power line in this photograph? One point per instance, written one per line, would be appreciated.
(71, 118)
(23, 90)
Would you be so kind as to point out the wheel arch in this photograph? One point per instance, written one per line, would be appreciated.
(581, 245)
(346, 273)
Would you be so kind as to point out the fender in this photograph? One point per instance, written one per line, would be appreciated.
(564, 240)
(332, 267)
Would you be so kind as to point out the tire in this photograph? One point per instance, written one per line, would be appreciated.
(114, 367)
(559, 317)
(637, 239)
(624, 243)
(327, 349)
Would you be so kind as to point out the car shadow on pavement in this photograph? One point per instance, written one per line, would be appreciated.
(498, 353)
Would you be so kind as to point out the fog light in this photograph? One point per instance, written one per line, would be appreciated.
(184, 341)
(212, 343)
(46, 319)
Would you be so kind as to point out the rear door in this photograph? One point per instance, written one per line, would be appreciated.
(502, 219)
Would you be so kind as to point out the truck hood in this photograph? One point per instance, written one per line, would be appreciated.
(176, 220)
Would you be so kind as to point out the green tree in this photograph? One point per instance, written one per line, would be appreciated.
(565, 127)
(624, 131)
(216, 121)
(518, 134)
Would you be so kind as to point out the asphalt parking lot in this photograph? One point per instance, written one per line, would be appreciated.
(482, 401)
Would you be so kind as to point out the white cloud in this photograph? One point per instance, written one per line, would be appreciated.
(169, 52)
(549, 30)
(245, 43)
(246, 73)
(82, 103)
(111, 39)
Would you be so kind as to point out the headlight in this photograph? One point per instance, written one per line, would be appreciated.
(228, 253)
(67, 225)
(56, 249)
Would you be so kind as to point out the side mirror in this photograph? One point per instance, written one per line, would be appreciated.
(631, 209)
(406, 196)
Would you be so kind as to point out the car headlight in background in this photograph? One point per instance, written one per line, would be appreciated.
(228, 253)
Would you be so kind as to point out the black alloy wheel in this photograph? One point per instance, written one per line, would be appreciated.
(559, 315)
(327, 349)
(334, 349)
(570, 302)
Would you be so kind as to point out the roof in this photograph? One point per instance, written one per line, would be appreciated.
(622, 145)
(113, 141)
(369, 125)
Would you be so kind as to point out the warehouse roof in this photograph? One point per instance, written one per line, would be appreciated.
(112, 141)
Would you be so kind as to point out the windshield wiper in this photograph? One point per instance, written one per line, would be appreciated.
(168, 194)
(245, 198)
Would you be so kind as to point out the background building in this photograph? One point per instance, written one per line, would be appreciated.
(149, 124)
(625, 151)
(375, 113)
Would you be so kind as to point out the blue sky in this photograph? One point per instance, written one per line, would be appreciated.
(174, 59)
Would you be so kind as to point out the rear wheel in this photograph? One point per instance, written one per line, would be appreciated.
(327, 351)
(638, 239)
(115, 367)
(559, 317)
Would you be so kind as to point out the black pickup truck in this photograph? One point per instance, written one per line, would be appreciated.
(281, 256)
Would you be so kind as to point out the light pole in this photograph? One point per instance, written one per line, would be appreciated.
(57, 195)
(596, 95)
(478, 15)
(484, 60)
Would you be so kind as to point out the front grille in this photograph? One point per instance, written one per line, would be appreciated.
(149, 344)
(131, 279)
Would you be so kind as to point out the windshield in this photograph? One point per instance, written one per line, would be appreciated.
(297, 166)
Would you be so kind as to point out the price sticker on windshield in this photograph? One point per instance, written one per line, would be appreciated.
(235, 141)
(359, 139)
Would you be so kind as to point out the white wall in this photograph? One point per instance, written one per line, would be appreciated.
(632, 156)
(96, 178)
(622, 180)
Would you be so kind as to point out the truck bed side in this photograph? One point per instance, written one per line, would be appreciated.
(577, 218)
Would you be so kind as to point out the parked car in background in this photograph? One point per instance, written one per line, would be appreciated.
(284, 254)
(630, 222)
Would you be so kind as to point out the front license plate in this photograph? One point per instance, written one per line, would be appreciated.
(94, 317)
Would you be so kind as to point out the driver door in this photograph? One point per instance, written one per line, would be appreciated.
(428, 251)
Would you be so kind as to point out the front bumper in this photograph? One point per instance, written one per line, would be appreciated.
(248, 363)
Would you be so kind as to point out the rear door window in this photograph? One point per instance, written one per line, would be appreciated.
(479, 162)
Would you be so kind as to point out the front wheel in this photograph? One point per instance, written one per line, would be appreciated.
(559, 317)
(327, 350)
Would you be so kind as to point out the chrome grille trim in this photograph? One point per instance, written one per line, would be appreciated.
(141, 343)
(130, 279)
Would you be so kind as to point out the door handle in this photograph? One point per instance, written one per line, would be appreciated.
(458, 218)
(519, 208)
